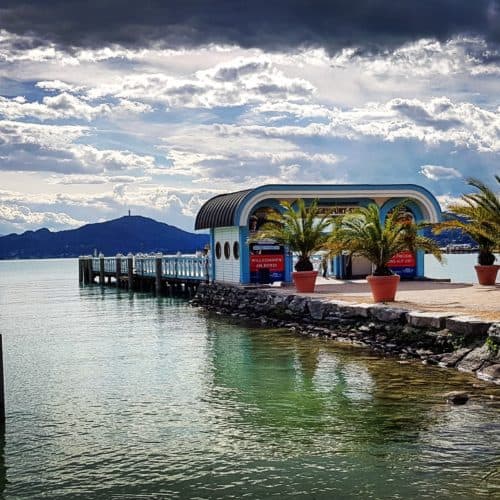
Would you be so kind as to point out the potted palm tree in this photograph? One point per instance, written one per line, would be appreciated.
(302, 229)
(362, 232)
(479, 217)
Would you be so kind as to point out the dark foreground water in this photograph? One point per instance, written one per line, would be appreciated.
(111, 395)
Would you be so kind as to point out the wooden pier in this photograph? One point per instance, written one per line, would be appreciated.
(160, 274)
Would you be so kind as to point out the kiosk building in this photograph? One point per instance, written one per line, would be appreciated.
(233, 219)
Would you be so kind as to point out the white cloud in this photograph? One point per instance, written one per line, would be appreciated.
(234, 83)
(434, 121)
(66, 106)
(446, 200)
(58, 86)
(13, 48)
(223, 155)
(57, 107)
(32, 146)
(424, 58)
(23, 218)
(125, 195)
(47, 136)
(111, 159)
(95, 179)
(437, 172)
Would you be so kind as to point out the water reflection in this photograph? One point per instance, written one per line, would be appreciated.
(3, 468)
(303, 396)
(286, 382)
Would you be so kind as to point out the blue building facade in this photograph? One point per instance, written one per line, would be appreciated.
(233, 219)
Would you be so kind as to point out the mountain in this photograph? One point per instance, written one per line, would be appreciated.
(131, 233)
(451, 237)
(126, 234)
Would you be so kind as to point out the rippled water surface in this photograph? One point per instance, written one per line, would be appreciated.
(111, 395)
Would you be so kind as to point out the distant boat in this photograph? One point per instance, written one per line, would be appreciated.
(459, 248)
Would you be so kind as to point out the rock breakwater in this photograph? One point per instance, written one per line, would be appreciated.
(465, 343)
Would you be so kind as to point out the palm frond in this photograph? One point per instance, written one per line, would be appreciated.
(362, 232)
(302, 228)
(481, 213)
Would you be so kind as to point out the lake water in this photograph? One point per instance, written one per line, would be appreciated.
(457, 267)
(111, 395)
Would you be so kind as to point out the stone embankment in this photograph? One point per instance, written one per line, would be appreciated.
(465, 343)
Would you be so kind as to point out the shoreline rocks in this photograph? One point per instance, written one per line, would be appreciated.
(459, 342)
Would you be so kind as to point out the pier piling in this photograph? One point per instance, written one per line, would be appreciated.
(158, 274)
(130, 271)
(89, 275)
(118, 271)
(2, 391)
(101, 269)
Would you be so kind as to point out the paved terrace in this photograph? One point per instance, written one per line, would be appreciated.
(457, 298)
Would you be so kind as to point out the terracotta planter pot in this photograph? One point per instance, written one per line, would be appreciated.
(383, 287)
(304, 281)
(487, 275)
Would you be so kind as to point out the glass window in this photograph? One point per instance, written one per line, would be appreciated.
(236, 250)
(218, 250)
(227, 250)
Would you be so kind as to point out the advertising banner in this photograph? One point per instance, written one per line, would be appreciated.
(267, 263)
(404, 264)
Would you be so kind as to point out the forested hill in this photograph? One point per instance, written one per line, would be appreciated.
(126, 234)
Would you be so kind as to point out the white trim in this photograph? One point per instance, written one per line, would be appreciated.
(429, 210)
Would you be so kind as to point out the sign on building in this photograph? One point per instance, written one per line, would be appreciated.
(267, 263)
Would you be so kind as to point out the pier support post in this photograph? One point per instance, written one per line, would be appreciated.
(2, 391)
(101, 269)
(130, 272)
(158, 273)
(118, 269)
(80, 270)
(86, 271)
(91, 270)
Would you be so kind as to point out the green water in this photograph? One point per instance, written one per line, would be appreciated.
(111, 395)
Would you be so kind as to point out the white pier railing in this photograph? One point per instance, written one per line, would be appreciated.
(183, 268)
(174, 267)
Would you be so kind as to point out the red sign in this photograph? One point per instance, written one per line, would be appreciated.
(403, 259)
(275, 263)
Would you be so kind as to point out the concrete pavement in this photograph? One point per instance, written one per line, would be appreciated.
(457, 298)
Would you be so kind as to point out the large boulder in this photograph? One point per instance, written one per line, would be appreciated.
(316, 309)
(298, 305)
(475, 359)
(451, 359)
(490, 373)
(387, 314)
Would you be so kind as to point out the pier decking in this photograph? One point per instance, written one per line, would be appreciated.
(161, 274)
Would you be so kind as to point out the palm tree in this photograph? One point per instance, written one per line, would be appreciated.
(302, 229)
(362, 232)
(480, 219)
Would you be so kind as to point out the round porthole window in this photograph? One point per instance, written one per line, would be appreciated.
(227, 250)
(218, 250)
(236, 250)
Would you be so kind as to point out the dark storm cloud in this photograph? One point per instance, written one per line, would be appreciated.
(418, 114)
(269, 24)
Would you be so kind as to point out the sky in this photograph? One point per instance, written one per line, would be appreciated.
(156, 106)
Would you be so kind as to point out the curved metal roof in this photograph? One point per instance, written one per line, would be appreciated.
(220, 210)
(233, 209)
